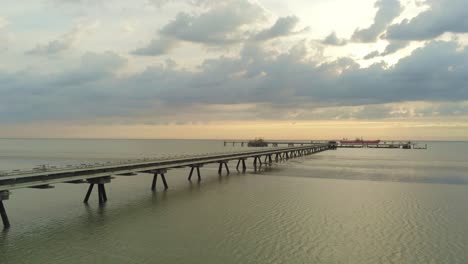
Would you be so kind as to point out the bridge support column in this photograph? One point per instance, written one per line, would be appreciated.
(4, 195)
(155, 179)
(102, 196)
(191, 172)
(198, 172)
(241, 161)
(220, 169)
(259, 161)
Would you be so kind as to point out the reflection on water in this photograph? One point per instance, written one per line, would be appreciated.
(306, 210)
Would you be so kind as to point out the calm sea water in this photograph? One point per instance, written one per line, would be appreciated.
(343, 206)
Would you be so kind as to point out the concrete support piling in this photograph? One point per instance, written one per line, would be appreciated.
(156, 173)
(193, 167)
(191, 172)
(257, 158)
(163, 177)
(155, 179)
(4, 195)
(88, 194)
(221, 164)
(102, 195)
(241, 161)
(103, 192)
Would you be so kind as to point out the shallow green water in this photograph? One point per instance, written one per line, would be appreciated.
(344, 206)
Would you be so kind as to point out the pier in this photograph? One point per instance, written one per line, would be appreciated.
(100, 175)
(393, 144)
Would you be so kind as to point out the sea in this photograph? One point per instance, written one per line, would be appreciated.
(339, 206)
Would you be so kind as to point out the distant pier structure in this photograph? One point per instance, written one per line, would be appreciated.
(389, 144)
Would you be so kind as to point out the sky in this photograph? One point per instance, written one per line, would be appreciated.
(227, 69)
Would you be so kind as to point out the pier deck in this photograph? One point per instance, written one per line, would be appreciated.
(101, 175)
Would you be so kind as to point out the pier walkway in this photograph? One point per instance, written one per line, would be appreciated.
(43, 178)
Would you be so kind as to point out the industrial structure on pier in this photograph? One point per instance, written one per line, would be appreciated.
(400, 144)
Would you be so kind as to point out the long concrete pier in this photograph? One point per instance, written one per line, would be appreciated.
(43, 178)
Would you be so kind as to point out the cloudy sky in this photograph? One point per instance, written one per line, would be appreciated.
(234, 69)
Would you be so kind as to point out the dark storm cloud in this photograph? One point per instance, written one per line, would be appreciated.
(388, 10)
(442, 16)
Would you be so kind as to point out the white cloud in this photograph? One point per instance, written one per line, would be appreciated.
(219, 25)
(64, 42)
(4, 37)
(157, 47)
(3, 22)
(283, 27)
(387, 11)
(333, 40)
